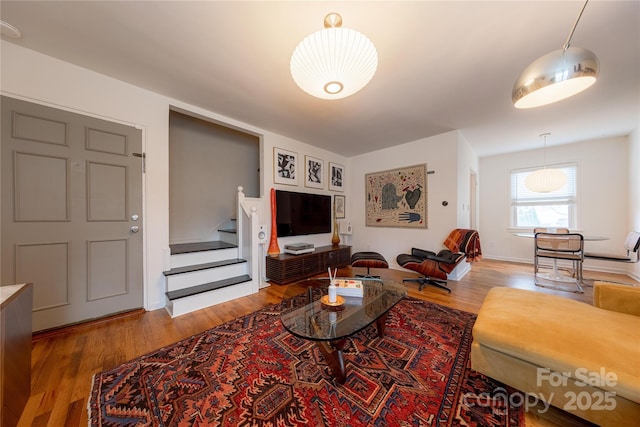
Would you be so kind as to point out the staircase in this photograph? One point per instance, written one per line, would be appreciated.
(203, 274)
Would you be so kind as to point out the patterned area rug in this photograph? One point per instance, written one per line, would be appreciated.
(252, 372)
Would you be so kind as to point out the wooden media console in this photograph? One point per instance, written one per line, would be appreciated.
(287, 268)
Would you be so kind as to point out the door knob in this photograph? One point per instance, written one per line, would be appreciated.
(134, 229)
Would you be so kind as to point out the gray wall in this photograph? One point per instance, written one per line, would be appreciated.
(207, 163)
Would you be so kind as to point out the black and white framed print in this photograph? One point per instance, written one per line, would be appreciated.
(313, 172)
(336, 177)
(285, 164)
(338, 203)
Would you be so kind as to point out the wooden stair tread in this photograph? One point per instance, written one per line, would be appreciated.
(184, 248)
(195, 290)
(198, 267)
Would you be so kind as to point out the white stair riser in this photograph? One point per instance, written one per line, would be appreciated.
(206, 299)
(203, 257)
(195, 278)
(229, 238)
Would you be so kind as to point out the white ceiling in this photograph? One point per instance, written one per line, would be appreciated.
(443, 65)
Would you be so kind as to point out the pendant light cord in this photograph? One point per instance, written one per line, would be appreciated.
(544, 155)
(568, 42)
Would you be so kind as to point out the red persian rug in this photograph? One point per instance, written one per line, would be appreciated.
(252, 372)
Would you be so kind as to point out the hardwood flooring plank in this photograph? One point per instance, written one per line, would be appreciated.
(75, 413)
(31, 409)
(41, 421)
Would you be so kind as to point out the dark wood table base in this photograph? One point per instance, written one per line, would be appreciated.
(332, 351)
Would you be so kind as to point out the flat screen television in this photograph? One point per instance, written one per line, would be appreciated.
(302, 213)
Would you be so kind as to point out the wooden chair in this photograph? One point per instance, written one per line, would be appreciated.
(559, 246)
(550, 230)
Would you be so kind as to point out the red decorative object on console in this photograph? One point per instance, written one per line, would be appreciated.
(274, 249)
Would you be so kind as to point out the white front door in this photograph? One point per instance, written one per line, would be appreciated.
(71, 202)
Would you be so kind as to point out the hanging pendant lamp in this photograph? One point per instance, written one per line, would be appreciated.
(556, 75)
(335, 62)
(546, 179)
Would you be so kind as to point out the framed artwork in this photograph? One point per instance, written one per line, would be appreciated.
(336, 177)
(285, 165)
(397, 197)
(338, 205)
(313, 172)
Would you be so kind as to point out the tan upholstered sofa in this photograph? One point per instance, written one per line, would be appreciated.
(582, 358)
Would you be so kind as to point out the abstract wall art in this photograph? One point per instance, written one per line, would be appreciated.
(397, 197)
(285, 167)
(336, 177)
(313, 172)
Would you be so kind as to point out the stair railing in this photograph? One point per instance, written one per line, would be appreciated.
(248, 220)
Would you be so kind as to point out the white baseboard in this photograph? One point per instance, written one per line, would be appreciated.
(585, 267)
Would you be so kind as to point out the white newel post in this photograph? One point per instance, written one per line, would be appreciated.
(248, 222)
(240, 222)
(255, 259)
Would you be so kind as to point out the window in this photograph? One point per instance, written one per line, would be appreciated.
(554, 209)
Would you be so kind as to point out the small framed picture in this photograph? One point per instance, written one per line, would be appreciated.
(313, 172)
(285, 164)
(336, 177)
(338, 203)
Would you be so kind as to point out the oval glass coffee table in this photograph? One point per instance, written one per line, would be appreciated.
(330, 325)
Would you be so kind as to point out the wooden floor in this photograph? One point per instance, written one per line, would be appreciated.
(64, 361)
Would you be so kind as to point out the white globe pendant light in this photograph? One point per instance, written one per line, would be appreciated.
(546, 179)
(335, 62)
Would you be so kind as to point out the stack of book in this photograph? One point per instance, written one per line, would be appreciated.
(349, 288)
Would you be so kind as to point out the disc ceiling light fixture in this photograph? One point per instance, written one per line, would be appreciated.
(546, 179)
(335, 62)
(556, 75)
